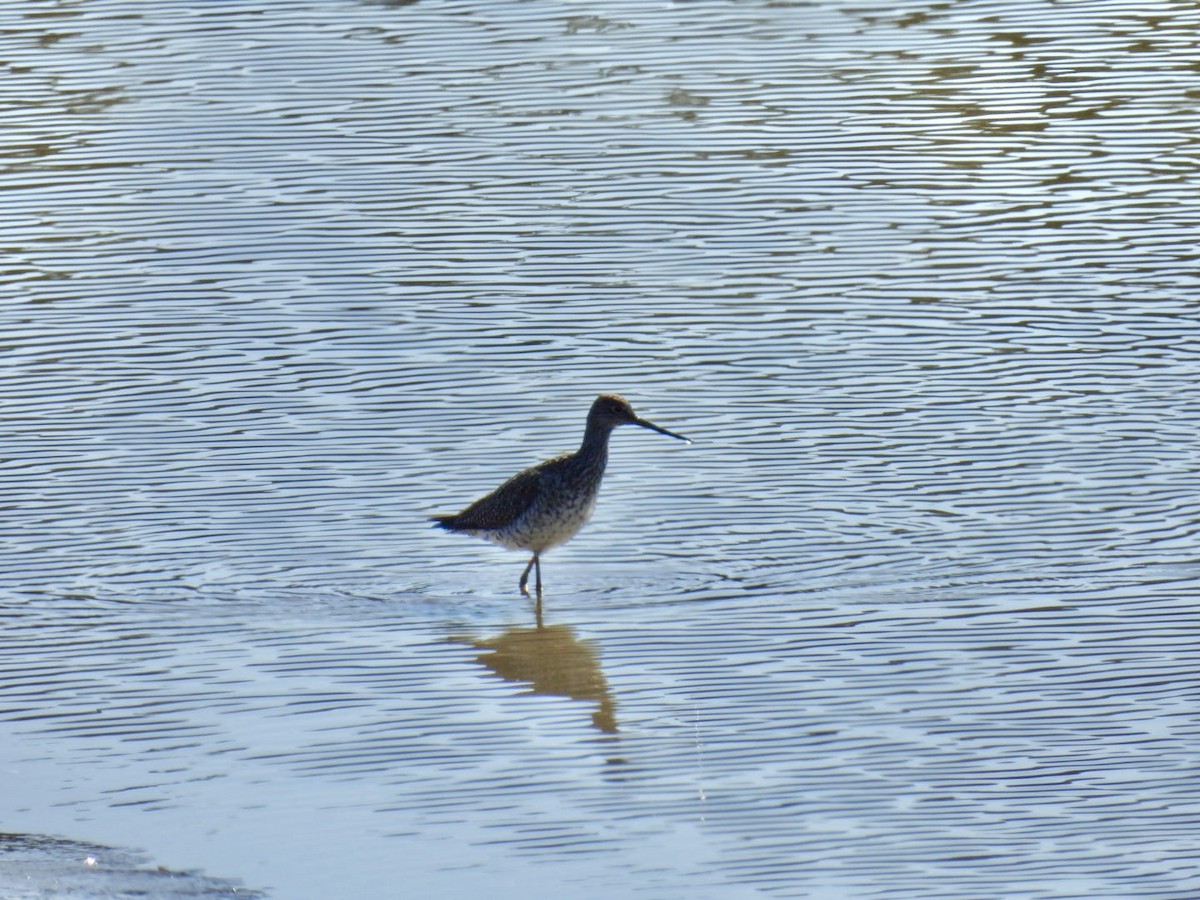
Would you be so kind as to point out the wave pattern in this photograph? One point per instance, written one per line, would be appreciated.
(912, 614)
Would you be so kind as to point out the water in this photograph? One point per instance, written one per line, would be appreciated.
(35, 866)
(914, 615)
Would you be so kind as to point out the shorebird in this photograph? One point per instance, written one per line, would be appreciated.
(546, 504)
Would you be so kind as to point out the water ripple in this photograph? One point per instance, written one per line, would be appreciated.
(913, 612)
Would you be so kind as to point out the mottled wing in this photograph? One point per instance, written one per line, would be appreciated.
(500, 508)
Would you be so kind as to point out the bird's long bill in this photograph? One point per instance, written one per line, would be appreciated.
(654, 427)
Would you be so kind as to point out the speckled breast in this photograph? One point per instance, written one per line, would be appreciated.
(563, 505)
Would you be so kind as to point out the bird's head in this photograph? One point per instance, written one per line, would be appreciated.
(611, 410)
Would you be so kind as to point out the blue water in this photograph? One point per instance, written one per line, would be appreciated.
(913, 616)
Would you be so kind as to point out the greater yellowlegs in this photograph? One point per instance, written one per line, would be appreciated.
(546, 504)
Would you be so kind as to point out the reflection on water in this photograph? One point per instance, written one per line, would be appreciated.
(553, 661)
(915, 615)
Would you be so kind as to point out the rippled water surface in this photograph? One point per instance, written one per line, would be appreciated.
(915, 615)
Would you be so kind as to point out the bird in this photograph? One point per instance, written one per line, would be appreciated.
(545, 505)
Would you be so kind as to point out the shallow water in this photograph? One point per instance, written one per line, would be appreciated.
(914, 616)
(34, 866)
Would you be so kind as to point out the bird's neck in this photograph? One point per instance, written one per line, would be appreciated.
(594, 449)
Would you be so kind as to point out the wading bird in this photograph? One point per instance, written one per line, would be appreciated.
(546, 504)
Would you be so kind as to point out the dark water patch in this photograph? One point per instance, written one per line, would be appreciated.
(35, 866)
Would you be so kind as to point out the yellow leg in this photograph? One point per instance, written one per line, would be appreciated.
(525, 577)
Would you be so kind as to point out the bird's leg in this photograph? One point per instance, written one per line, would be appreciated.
(537, 565)
(525, 576)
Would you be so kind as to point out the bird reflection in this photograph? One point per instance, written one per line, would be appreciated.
(553, 661)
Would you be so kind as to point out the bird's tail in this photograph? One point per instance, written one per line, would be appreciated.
(446, 522)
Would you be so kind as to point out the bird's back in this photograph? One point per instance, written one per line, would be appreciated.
(536, 509)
